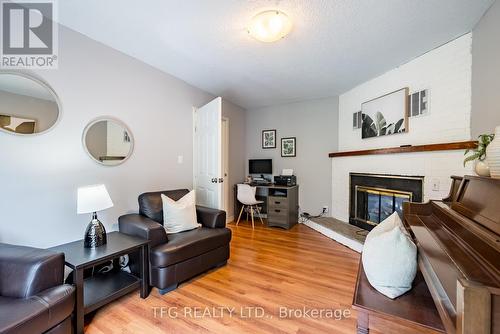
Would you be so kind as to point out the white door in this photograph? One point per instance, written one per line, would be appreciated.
(225, 164)
(208, 154)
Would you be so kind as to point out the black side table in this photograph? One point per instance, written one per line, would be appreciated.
(99, 290)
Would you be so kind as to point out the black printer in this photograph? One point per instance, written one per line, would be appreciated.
(285, 180)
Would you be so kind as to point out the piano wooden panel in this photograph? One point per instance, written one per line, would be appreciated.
(459, 254)
(455, 185)
(413, 312)
(478, 200)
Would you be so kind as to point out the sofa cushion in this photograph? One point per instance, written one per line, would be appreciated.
(185, 245)
(179, 216)
(151, 206)
(36, 314)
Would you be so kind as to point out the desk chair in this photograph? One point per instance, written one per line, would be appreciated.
(246, 196)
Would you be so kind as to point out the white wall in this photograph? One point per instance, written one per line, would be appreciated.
(40, 174)
(314, 124)
(446, 72)
(486, 72)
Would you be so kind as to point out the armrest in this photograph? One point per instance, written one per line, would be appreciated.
(60, 301)
(25, 271)
(211, 218)
(143, 227)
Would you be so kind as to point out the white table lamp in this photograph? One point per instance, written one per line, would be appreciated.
(90, 200)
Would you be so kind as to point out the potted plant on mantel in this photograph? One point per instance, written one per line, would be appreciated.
(479, 155)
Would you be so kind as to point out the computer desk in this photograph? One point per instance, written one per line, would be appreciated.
(281, 204)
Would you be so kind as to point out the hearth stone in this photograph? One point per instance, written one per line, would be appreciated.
(342, 232)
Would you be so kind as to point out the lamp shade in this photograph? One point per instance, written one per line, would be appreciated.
(93, 198)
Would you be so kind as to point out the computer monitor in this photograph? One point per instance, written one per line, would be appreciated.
(260, 166)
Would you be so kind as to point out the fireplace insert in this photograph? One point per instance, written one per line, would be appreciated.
(373, 198)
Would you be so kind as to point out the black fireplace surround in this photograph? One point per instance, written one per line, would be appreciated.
(373, 197)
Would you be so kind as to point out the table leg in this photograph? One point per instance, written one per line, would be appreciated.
(144, 267)
(79, 303)
(363, 323)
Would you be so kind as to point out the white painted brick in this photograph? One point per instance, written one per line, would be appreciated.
(446, 72)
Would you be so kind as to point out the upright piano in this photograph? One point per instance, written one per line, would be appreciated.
(458, 242)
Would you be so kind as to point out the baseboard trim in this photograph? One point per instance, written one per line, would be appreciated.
(352, 244)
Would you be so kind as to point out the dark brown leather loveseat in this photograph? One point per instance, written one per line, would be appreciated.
(33, 298)
(177, 257)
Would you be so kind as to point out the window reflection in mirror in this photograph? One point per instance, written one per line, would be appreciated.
(27, 105)
(108, 141)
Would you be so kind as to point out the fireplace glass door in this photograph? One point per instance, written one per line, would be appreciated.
(373, 205)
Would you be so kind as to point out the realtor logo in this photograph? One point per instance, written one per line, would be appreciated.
(28, 35)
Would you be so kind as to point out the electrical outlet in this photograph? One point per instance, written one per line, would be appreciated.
(435, 185)
(325, 209)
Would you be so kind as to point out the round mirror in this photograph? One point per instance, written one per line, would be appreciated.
(27, 105)
(108, 141)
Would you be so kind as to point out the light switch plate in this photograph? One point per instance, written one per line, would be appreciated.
(180, 159)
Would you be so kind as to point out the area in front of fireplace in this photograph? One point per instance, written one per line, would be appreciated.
(374, 197)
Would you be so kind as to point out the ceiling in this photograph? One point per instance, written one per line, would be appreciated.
(334, 44)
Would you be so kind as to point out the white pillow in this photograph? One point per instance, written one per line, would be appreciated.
(390, 258)
(179, 215)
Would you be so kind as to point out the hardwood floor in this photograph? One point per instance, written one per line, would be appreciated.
(270, 270)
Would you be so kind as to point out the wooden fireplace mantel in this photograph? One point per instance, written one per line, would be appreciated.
(463, 145)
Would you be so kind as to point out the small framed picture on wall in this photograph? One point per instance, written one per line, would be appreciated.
(268, 138)
(288, 147)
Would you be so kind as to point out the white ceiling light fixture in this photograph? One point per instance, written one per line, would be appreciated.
(270, 26)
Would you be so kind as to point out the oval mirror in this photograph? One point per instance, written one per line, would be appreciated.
(108, 141)
(27, 105)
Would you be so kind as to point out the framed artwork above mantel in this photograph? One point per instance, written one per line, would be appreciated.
(385, 115)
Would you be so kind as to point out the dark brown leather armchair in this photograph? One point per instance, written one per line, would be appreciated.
(33, 298)
(177, 257)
